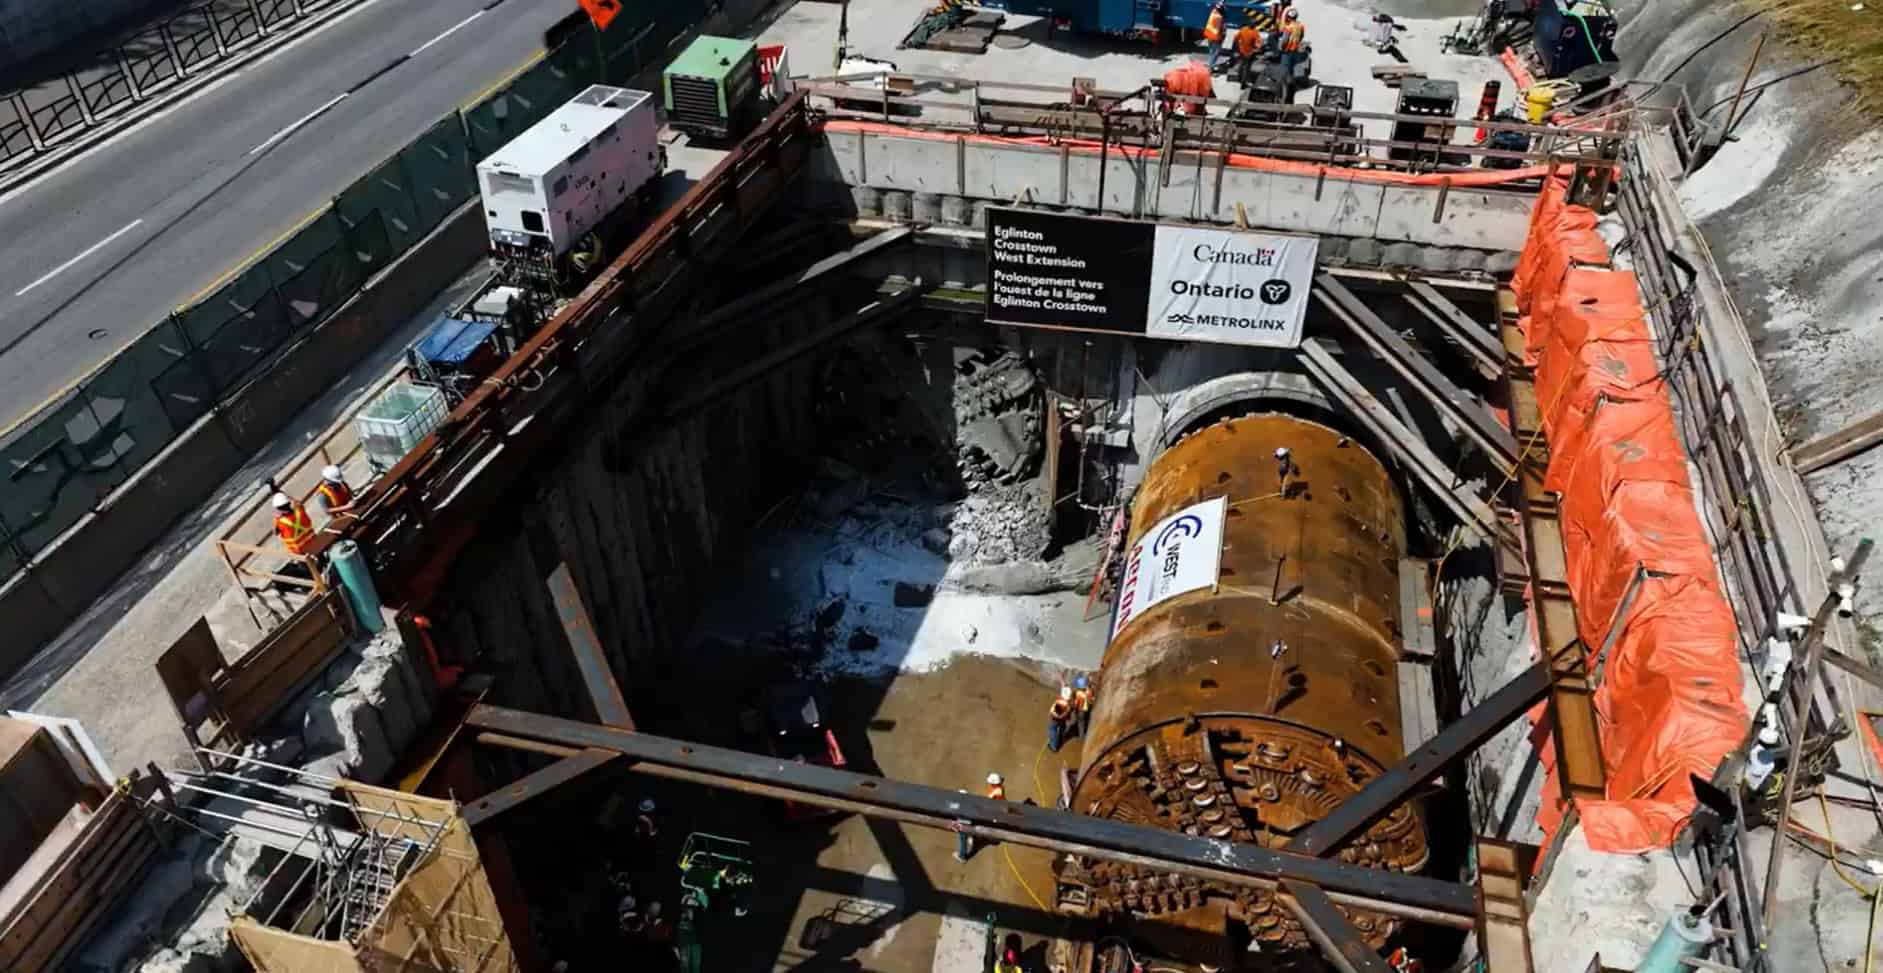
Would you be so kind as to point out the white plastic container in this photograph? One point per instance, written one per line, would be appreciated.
(397, 420)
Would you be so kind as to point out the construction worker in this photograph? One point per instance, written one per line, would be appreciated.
(1248, 48)
(1009, 961)
(1058, 718)
(335, 496)
(292, 524)
(1403, 962)
(645, 827)
(1293, 35)
(1082, 704)
(1215, 39)
(996, 787)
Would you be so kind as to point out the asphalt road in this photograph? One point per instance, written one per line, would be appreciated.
(94, 253)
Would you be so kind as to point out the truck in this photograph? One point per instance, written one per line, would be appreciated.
(554, 195)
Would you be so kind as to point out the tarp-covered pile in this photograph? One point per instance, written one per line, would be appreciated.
(1669, 696)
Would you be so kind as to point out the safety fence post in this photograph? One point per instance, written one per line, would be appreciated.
(26, 119)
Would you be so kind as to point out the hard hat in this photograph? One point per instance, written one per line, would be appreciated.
(281, 501)
(653, 910)
(1291, 14)
(332, 474)
(1065, 692)
(1078, 682)
(647, 805)
(993, 780)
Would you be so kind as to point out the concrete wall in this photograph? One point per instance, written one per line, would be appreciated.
(31, 28)
(640, 518)
(1483, 219)
(87, 559)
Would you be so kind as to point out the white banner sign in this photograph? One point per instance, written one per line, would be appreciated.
(1180, 553)
(1229, 286)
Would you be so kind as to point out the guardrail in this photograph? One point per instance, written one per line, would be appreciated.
(39, 118)
(65, 460)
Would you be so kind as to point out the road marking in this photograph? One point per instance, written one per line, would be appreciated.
(94, 248)
(295, 125)
(454, 29)
(508, 76)
(257, 56)
(248, 260)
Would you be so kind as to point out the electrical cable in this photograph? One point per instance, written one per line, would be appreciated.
(1741, 22)
(1022, 880)
(1787, 76)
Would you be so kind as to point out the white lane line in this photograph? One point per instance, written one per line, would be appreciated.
(454, 29)
(290, 128)
(94, 248)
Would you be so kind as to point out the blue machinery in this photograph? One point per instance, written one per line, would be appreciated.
(1134, 18)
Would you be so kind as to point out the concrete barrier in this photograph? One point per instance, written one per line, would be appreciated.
(86, 560)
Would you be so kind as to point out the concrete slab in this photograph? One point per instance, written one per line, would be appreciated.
(1336, 31)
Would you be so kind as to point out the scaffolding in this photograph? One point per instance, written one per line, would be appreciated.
(367, 880)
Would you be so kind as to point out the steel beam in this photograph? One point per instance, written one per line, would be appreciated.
(1407, 445)
(1495, 440)
(1410, 896)
(553, 776)
(765, 300)
(1397, 784)
(1338, 940)
(1503, 912)
(873, 313)
(590, 659)
(1478, 342)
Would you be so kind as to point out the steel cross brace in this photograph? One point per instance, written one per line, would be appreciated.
(1409, 896)
(1448, 398)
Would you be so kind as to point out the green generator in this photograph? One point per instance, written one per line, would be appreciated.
(712, 88)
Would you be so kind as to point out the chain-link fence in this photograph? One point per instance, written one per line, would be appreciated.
(58, 466)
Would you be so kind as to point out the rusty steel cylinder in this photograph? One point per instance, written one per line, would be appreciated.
(1250, 709)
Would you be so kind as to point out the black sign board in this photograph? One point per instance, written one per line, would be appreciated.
(1054, 271)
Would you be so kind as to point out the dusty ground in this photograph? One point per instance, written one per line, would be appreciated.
(836, 893)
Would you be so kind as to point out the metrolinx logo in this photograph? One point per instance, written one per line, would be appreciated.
(1276, 291)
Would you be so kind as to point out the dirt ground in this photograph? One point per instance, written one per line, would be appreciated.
(832, 893)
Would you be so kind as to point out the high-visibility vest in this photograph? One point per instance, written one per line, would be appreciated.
(337, 494)
(1060, 710)
(294, 527)
(1081, 699)
(1248, 39)
(1213, 28)
(997, 792)
(1291, 34)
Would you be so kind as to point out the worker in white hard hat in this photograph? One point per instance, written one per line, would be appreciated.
(336, 497)
(645, 827)
(1058, 717)
(292, 524)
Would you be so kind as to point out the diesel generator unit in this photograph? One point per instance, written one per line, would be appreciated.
(554, 195)
(712, 89)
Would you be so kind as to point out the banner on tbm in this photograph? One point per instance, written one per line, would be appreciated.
(1181, 283)
(1178, 554)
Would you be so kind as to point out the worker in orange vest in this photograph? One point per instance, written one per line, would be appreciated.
(1248, 46)
(1081, 705)
(1214, 38)
(292, 524)
(996, 787)
(1058, 718)
(336, 497)
(1293, 36)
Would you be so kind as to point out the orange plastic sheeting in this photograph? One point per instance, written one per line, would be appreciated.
(1543, 215)
(1475, 178)
(1668, 693)
(1594, 305)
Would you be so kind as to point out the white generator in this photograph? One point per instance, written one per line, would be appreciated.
(566, 175)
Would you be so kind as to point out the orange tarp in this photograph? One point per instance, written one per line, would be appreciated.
(1668, 692)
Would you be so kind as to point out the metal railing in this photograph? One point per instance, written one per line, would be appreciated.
(65, 459)
(39, 117)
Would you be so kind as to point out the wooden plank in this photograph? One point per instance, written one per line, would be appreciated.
(1856, 438)
(270, 674)
(40, 931)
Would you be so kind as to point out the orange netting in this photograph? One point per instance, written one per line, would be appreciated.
(1668, 694)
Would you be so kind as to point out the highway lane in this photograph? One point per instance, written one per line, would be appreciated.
(94, 253)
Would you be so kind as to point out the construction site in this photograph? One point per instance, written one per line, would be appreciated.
(1049, 486)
